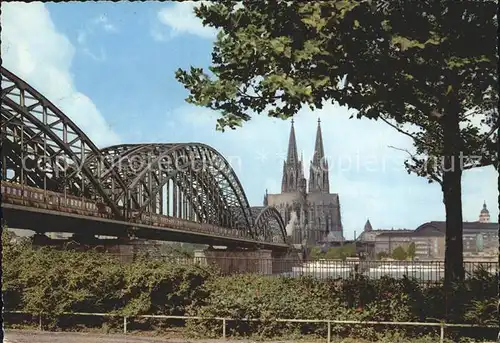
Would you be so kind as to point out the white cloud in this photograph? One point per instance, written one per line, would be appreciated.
(98, 57)
(368, 175)
(33, 49)
(102, 23)
(158, 35)
(180, 18)
(82, 37)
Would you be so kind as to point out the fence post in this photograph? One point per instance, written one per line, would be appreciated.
(40, 322)
(328, 337)
(125, 324)
(441, 340)
(224, 328)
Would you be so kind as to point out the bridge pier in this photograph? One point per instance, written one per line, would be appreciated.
(265, 262)
(284, 261)
(237, 261)
(120, 247)
(40, 239)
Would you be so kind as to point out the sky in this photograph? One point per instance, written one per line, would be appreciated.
(110, 67)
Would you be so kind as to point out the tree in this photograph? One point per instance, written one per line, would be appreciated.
(399, 254)
(430, 80)
(348, 250)
(315, 253)
(333, 253)
(412, 251)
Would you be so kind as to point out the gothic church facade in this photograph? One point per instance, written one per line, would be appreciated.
(311, 212)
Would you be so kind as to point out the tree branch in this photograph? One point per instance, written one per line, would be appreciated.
(405, 132)
(481, 162)
(414, 159)
(493, 129)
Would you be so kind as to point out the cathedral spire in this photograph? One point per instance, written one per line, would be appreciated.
(318, 178)
(292, 156)
(319, 151)
(292, 167)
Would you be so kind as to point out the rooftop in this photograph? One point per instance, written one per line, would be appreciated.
(441, 226)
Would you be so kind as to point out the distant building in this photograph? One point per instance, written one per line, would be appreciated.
(370, 235)
(479, 237)
(310, 210)
(427, 244)
(484, 215)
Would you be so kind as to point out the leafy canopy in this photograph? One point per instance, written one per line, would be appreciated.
(403, 65)
(399, 254)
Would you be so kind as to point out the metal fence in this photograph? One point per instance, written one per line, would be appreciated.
(425, 271)
(442, 325)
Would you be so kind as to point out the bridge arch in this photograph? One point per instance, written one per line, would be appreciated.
(269, 226)
(202, 175)
(45, 148)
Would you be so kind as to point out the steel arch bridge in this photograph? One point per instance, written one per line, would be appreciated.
(43, 149)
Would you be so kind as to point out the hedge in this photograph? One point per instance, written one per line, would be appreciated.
(53, 281)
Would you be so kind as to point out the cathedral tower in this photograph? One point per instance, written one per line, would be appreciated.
(368, 226)
(318, 173)
(293, 172)
(314, 214)
(484, 216)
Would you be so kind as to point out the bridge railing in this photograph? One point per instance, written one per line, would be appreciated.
(159, 220)
(18, 194)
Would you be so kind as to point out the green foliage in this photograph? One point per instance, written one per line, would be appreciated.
(154, 287)
(399, 254)
(334, 253)
(381, 255)
(52, 281)
(411, 252)
(250, 296)
(434, 80)
(315, 253)
(274, 57)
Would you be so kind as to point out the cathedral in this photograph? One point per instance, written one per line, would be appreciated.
(310, 211)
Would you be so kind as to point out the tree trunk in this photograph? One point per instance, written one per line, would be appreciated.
(452, 188)
(452, 195)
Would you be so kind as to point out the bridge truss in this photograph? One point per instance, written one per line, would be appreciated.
(43, 148)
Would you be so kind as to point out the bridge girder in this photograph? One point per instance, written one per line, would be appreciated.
(204, 176)
(43, 148)
(269, 226)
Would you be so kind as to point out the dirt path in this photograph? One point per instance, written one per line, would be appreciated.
(32, 336)
(29, 336)
(25, 336)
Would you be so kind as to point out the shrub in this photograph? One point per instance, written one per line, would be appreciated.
(268, 298)
(53, 281)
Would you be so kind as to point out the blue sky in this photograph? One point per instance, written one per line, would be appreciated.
(110, 67)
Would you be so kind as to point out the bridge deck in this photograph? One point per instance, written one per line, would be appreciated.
(29, 208)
